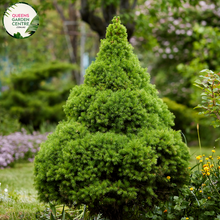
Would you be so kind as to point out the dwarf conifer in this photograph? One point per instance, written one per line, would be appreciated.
(116, 148)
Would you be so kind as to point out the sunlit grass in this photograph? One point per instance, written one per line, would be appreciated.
(207, 151)
(18, 178)
(21, 201)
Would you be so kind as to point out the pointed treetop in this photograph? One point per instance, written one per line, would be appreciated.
(116, 66)
(116, 32)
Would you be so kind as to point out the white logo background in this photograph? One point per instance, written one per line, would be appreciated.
(18, 9)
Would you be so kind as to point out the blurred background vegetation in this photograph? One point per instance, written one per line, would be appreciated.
(174, 39)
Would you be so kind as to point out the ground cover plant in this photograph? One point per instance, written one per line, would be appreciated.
(19, 146)
(116, 148)
(195, 151)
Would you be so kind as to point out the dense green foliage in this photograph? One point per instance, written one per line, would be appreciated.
(30, 100)
(8, 123)
(116, 148)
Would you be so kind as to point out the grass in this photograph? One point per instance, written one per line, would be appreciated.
(19, 182)
(21, 202)
(207, 151)
(20, 177)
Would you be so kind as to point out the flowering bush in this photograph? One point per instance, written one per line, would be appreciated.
(199, 199)
(19, 145)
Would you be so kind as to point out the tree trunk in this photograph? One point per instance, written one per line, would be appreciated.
(98, 24)
(70, 26)
(82, 51)
(73, 28)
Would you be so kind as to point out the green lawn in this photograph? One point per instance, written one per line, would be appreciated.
(207, 151)
(21, 202)
(20, 177)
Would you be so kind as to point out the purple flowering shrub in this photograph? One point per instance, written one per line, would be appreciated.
(19, 146)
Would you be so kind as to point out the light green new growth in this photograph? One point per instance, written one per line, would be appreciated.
(116, 148)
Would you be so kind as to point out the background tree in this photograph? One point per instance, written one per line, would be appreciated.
(46, 44)
(98, 14)
(32, 96)
(184, 41)
(71, 31)
(178, 37)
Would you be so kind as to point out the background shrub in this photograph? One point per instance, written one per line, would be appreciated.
(186, 120)
(8, 123)
(32, 97)
(116, 149)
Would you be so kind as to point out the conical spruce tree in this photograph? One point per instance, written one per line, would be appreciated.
(116, 151)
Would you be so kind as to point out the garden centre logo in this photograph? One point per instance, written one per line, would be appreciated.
(20, 20)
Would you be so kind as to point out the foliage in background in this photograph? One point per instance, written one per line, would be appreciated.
(19, 146)
(32, 99)
(98, 14)
(185, 41)
(210, 104)
(48, 43)
(116, 148)
(8, 123)
(205, 55)
(185, 119)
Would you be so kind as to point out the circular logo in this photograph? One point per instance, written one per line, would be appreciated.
(20, 20)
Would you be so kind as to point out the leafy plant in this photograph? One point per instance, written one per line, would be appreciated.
(116, 148)
(16, 204)
(61, 213)
(199, 199)
(33, 25)
(210, 103)
(18, 35)
(185, 119)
